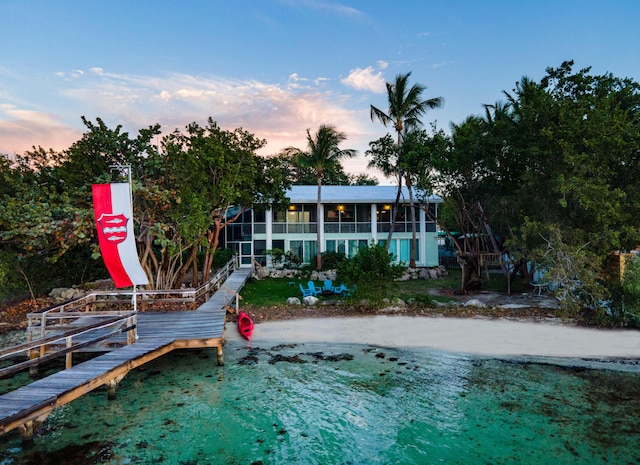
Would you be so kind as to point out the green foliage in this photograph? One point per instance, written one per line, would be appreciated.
(277, 255)
(222, 257)
(332, 260)
(625, 307)
(372, 270)
(554, 170)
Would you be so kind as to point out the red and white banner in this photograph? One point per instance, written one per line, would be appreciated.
(114, 220)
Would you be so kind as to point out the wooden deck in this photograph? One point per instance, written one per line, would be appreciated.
(158, 332)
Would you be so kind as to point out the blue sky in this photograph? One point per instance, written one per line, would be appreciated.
(279, 67)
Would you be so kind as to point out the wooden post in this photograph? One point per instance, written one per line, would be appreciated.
(69, 356)
(220, 356)
(26, 431)
(111, 387)
(33, 369)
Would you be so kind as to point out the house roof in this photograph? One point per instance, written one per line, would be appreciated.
(353, 194)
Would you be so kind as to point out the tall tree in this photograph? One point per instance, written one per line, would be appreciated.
(406, 108)
(204, 178)
(323, 153)
(555, 171)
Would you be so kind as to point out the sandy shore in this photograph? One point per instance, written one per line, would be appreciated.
(468, 335)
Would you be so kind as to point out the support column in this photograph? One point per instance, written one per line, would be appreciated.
(69, 356)
(111, 387)
(27, 431)
(220, 356)
(422, 238)
(374, 222)
(33, 369)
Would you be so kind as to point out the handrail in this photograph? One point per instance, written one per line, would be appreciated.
(8, 351)
(68, 349)
(91, 299)
(68, 338)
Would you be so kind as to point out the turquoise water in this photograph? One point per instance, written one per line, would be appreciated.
(347, 404)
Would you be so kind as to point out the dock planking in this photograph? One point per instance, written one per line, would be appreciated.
(159, 333)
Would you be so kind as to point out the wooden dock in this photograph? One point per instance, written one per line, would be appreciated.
(158, 333)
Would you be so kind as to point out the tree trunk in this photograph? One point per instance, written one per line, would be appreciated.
(318, 210)
(412, 213)
(394, 212)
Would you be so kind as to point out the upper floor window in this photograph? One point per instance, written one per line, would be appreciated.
(297, 218)
(347, 218)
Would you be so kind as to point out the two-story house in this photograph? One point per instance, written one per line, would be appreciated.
(351, 217)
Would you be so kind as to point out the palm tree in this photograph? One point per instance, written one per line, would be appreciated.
(406, 107)
(323, 154)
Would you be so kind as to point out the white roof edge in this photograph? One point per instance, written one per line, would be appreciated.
(353, 194)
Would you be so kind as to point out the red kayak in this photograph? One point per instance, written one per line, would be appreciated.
(245, 325)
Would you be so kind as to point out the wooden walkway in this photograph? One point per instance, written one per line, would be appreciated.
(158, 332)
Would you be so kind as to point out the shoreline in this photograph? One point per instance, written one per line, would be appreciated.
(489, 337)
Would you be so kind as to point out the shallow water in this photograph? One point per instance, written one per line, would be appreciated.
(346, 404)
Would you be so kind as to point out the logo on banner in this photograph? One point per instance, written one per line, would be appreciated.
(114, 227)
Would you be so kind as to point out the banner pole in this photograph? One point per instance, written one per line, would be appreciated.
(135, 301)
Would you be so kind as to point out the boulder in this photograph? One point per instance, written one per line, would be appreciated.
(475, 303)
(293, 301)
(310, 300)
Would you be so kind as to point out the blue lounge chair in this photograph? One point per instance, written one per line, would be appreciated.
(341, 289)
(305, 291)
(313, 289)
(328, 287)
(345, 291)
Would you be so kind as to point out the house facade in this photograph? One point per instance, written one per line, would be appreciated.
(351, 217)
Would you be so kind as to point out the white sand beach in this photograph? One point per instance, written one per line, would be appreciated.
(462, 335)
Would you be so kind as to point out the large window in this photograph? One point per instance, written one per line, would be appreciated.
(403, 218)
(304, 250)
(401, 249)
(347, 218)
(347, 247)
(296, 219)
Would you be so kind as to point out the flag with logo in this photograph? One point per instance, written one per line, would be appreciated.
(114, 220)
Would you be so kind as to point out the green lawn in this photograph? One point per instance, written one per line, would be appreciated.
(270, 292)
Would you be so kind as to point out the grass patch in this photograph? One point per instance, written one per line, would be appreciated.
(268, 292)
(271, 292)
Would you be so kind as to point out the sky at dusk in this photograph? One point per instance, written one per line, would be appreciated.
(279, 67)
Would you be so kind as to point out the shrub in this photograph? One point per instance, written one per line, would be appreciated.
(625, 308)
(221, 257)
(372, 270)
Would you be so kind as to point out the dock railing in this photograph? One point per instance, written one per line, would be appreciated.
(73, 339)
(112, 303)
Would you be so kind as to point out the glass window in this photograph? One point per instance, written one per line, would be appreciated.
(310, 250)
(296, 248)
(259, 247)
(405, 247)
(331, 246)
(347, 213)
(259, 217)
(393, 249)
(331, 213)
(304, 250)
(353, 248)
(278, 244)
(279, 216)
(363, 213)
(384, 213)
